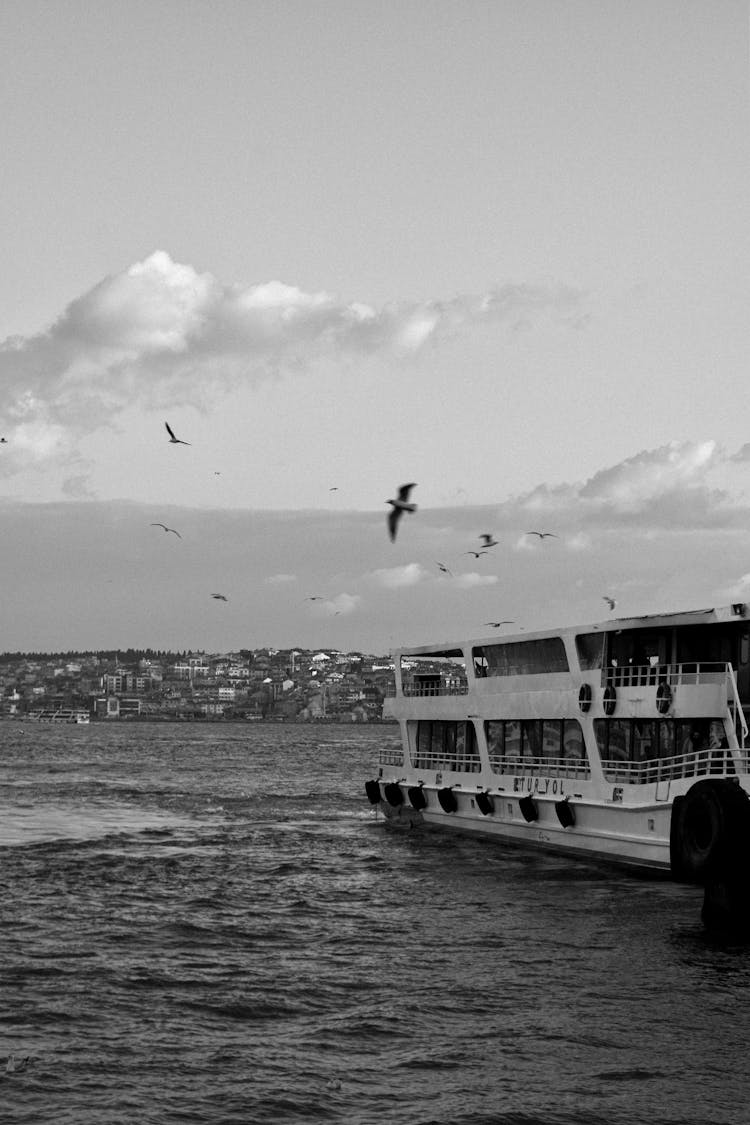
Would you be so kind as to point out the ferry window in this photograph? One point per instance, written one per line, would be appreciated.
(644, 741)
(512, 741)
(590, 648)
(494, 730)
(480, 664)
(573, 739)
(744, 648)
(665, 730)
(436, 747)
(531, 738)
(424, 742)
(552, 738)
(523, 658)
(449, 740)
(618, 747)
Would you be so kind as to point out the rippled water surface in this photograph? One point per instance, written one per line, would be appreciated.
(206, 924)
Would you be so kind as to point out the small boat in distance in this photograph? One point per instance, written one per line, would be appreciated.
(61, 715)
(623, 741)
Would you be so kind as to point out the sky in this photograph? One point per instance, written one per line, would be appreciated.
(500, 249)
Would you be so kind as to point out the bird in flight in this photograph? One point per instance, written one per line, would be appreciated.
(476, 554)
(497, 624)
(398, 507)
(488, 540)
(610, 601)
(167, 529)
(3, 441)
(174, 440)
(220, 597)
(334, 488)
(314, 598)
(443, 568)
(543, 534)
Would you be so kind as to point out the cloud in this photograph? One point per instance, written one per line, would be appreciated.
(669, 486)
(471, 580)
(161, 332)
(397, 577)
(340, 604)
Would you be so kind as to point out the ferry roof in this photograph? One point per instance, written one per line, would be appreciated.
(712, 616)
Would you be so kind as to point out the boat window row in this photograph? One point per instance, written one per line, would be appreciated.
(646, 750)
(554, 747)
(446, 745)
(521, 658)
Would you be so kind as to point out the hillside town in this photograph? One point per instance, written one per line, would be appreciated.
(292, 685)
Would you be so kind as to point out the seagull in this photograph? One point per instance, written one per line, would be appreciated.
(14, 1064)
(399, 506)
(314, 598)
(220, 597)
(3, 441)
(334, 488)
(543, 534)
(476, 554)
(167, 529)
(488, 540)
(497, 624)
(442, 567)
(175, 440)
(610, 601)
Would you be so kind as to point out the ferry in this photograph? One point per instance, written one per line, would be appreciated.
(61, 715)
(623, 741)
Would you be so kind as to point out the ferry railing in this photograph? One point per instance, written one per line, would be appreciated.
(716, 761)
(645, 675)
(540, 766)
(423, 690)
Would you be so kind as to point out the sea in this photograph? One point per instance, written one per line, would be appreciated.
(208, 923)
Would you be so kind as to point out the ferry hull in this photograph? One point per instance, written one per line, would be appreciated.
(594, 836)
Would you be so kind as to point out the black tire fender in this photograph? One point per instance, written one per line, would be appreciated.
(709, 835)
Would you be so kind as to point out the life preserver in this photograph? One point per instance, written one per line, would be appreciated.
(610, 700)
(528, 808)
(709, 836)
(584, 697)
(565, 813)
(372, 789)
(447, 799)
(485, 804)
(417, 797)
(663, 697)
(394, 794)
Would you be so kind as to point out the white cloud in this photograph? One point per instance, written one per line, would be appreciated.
(161, 332)
(471, 580)
(396, 577)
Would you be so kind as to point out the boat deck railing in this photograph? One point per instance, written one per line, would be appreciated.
(714, 761)
(453, 687)
(645, 675)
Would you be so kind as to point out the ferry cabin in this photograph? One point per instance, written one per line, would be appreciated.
(578, 740)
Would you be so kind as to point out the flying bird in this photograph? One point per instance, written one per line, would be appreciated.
(476, 554)
(174, 440)
(3, 441)
(314, 598)
(488, 540)
(543, 534)
(610, 601)
(497, 624)
(334, 488)
(167, 529)
(220, 597)
(442, 567)
(398, 507)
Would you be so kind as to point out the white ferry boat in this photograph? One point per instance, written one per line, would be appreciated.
(623, 741)
(61, 715)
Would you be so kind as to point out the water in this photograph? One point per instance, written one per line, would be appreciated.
(206, 924)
